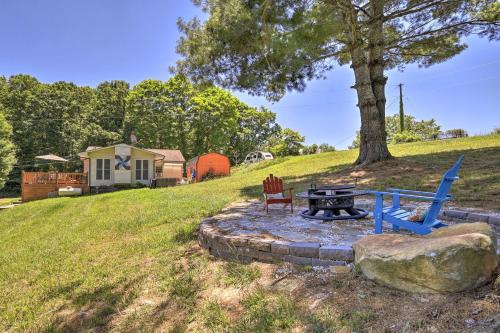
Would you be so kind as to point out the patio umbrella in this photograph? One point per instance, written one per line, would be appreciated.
(51, 157)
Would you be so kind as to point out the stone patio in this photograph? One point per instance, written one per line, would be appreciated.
(244, 232)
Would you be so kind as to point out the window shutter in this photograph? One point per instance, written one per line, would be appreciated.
(145, 170)
(98, 174)
(107, 169)
(138, 169)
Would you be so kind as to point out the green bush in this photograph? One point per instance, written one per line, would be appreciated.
(457, 133)
(405, 137)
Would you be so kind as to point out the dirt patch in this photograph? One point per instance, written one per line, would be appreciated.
(382, 309)
(323, 301)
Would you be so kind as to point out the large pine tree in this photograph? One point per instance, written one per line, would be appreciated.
(267, 47)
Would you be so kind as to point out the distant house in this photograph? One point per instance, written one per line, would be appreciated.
(125, 164)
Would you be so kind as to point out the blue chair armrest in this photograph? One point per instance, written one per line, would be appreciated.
(411, 191)
(401, 191)
(402, 195)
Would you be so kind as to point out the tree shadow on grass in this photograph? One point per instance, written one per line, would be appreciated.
(185, 233)
(93, 309)
(477, 187)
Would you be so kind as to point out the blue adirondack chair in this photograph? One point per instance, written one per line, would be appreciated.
(399, 217)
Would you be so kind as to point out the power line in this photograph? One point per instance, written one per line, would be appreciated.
(348, 138)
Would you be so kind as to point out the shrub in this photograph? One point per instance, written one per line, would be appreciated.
(405, 137)
(456, 133)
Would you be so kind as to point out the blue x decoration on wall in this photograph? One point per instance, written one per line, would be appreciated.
(122, 162)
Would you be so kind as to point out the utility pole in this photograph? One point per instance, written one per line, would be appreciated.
(401, 109)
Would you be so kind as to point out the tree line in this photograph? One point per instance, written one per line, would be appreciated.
(63, 119)
(413, 130)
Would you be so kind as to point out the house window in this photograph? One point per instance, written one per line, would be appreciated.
(103, 169)
(142, 169)
(159, 169)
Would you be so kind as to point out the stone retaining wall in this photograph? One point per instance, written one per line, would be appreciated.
(246, 250)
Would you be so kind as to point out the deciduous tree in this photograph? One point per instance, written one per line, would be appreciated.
(286, 142)
(255, 126)
(7, 153)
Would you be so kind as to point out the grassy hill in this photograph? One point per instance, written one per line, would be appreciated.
(89, 262)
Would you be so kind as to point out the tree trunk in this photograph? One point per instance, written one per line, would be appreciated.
(368, 66)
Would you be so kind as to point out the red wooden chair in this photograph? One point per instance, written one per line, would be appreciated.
(275, 194)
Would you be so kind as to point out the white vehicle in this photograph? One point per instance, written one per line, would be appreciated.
(258, 156)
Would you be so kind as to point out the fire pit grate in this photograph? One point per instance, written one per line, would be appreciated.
(331, 200)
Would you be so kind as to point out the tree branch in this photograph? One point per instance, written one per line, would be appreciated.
(448, 27)
(414, 9)
(363, 10)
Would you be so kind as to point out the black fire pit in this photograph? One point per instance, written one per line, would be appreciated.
(332, 200)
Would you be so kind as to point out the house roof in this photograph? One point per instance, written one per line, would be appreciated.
(89, 148)
(170, 154)
(166, 154)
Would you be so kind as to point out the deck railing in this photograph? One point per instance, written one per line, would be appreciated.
(57, 178)
(39, 185)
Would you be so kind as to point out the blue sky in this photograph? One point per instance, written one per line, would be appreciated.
(89, 41)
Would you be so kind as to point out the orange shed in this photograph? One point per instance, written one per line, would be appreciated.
(209, 164)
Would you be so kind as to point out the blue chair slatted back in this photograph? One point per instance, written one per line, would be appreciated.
(442, 192)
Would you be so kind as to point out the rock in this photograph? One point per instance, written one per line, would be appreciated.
(340, 269)
(456, 258)
(470, 322)
(496, 284)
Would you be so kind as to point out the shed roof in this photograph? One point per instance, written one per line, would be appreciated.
(171, 155)
(195, 159)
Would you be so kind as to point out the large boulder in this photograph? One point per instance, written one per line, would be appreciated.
(452, 259)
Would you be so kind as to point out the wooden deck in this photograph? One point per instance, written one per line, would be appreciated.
(38, 185)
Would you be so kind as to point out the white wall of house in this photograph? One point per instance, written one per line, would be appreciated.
(131, 176)
(105, 154)
(122, 175)
(141, 155)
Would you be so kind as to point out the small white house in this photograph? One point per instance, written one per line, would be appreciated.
(125, 164)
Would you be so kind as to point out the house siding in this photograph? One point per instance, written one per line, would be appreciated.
(142, 155)
(108, 153)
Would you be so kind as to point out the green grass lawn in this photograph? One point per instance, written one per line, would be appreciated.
(8, 200)
(71, 263)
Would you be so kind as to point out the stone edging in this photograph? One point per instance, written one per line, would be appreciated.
(246, 250)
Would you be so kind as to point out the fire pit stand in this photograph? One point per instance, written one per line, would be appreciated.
(331, 200)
